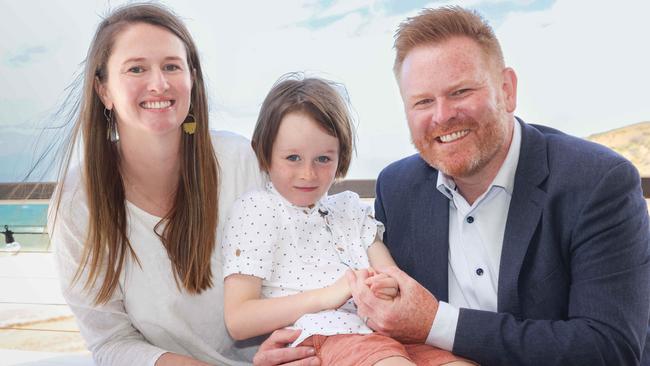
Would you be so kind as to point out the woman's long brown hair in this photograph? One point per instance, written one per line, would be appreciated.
(190, 225)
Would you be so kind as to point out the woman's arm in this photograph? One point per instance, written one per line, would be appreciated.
(248, 315)
(174, 359)
(106, 328)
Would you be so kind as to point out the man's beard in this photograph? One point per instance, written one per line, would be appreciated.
(492, 138)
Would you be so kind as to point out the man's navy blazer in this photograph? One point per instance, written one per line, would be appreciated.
(574, 278)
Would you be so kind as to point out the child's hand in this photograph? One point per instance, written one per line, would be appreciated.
(382, 286)
(336, 294)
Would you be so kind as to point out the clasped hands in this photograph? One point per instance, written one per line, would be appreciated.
(381, 285)
(391, 302)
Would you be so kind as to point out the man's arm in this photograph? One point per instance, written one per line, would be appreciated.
(609, 299)
(407, 317)
(609, 293)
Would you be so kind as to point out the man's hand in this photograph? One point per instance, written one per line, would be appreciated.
(407, 317)
(274, 351)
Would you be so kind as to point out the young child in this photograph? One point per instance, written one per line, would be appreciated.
(286, 249)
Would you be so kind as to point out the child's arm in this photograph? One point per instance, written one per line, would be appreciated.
(382, 285)
(247, 315)
(379, 255)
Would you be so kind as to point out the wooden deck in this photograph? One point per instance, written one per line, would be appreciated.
(36, 325)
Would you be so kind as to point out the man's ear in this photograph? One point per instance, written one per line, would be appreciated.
(103, 93)
(509, 89)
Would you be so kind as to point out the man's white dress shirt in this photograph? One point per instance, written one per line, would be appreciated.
(475, 242)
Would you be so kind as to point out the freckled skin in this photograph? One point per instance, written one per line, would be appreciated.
(453, 87)
(387, 316)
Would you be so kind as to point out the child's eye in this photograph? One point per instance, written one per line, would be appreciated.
(293, 158)
(136, 69)
(323, 159)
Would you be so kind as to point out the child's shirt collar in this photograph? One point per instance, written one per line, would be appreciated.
(320, 206)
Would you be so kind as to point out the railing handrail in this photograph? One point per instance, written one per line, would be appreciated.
(26, 190)
(365, 188)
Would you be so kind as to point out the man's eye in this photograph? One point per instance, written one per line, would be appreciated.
(423, 102)
(323, 159)
(460, 92)
(136, 69)
(293, 158)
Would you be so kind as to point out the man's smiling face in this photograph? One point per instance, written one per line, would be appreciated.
(459, 105)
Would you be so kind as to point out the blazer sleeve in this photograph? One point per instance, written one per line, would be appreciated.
(609, 292)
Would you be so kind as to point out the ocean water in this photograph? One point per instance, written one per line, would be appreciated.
(28, 221)
(31, 215)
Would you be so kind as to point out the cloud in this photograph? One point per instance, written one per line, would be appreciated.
(26, 56)
(581, 65)
(344, 7)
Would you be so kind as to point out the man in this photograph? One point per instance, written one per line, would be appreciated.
(528, 246)
(522, 245)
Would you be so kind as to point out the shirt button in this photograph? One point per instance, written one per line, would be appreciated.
(470, 219)
(479, 271)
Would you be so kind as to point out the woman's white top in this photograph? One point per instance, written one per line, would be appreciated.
(147, 314)
(294, 249)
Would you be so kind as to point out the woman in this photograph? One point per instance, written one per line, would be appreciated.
(135, 225)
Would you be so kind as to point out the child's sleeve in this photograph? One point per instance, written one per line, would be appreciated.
(370, 228)
(361, 216)
(249, 237)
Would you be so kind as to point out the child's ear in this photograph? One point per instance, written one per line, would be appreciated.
(103, 93)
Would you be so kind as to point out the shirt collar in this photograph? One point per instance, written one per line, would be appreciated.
(320, 205)
(505, 177)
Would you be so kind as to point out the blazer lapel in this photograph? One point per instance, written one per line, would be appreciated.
(440, 245)
(433, 262)
(523, 216)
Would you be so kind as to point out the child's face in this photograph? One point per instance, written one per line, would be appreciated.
(303, 160)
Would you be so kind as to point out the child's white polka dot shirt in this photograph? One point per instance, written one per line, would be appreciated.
(293, 249)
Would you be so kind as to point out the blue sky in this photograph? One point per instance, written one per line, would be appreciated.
(582, 65)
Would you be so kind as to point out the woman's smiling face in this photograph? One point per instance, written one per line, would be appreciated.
(149, 83)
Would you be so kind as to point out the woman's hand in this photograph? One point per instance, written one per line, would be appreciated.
(174, 359)
(274, 351)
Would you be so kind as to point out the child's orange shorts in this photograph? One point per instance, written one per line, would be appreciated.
(368, 349)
